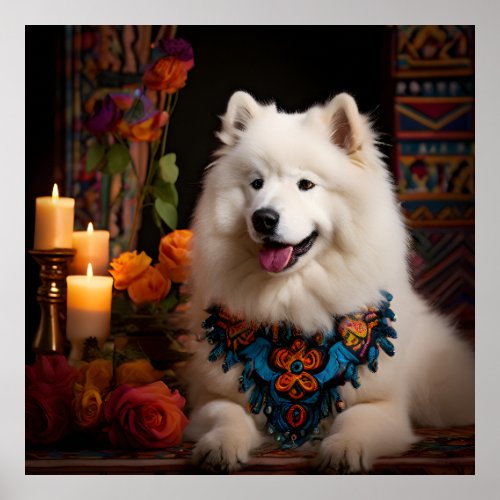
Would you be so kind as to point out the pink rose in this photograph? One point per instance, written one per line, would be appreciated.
(148, 416)
(49, 391)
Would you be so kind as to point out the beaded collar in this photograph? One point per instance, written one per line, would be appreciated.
(295, 378)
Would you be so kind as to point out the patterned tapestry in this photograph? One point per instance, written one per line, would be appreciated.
(433, 68)
(101, 59)
(434, 51)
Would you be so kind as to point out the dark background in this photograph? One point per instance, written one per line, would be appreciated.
(295, 66)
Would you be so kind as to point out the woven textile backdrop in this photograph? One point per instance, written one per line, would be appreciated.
(101, 59)
(433, 68)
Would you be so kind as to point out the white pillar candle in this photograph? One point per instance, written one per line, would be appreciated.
(91, 246)
(54, 221)
(88, 310)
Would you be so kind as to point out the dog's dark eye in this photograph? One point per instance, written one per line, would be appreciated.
(305, 184)
(257, 183)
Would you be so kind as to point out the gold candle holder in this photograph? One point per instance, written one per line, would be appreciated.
(51, 295)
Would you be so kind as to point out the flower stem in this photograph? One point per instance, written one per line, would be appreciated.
(144, 191)
(169, 108)
(122, 142)
(165, 131)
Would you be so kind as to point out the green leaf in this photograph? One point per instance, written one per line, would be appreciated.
(95, 156)
(157, 219)
(167, 212)
(118, 159)
(121, 305)
(169, 171)
(166, 191)
(169, 302)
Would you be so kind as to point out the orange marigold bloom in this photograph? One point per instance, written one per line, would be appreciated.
(151, 286)
(128, 267)
(147, 130)
(137, 372)
(175, 257)
(168, 74)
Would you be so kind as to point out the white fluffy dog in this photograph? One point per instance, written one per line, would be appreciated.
(298, 224)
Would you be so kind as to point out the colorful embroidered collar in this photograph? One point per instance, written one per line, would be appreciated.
(296, 378)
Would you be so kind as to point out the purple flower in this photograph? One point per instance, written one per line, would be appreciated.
(104, 117)
(177, 47)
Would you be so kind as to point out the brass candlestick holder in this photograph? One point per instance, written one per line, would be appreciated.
(51, 295)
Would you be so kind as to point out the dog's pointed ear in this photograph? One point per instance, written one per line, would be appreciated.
(241, 108)
(345, 123)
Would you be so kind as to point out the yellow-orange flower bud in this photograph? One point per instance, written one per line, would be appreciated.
(150, 286)
(175, 258)
(128, 267)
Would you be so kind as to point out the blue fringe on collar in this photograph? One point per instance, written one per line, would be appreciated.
(294, 378)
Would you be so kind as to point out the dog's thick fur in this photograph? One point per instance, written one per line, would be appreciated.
(361, 248)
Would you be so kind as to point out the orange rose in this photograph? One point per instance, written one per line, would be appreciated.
(128, 267)
(87, 406)
(136, 373)
(168, 74)
(147, 130)
(175, 256)
(151, 286)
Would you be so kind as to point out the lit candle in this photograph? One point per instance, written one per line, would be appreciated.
(91, 246)
(89, 310)
(54, 221)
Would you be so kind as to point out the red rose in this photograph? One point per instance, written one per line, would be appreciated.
(48, 417)
(49, 391)
(148, 416)
(52, 369)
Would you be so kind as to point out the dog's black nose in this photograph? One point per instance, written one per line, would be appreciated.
(265, 220)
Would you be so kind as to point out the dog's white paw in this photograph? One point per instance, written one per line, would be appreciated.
(221, 451)
(343, 454)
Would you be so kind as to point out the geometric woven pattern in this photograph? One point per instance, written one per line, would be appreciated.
(443, 269)
(432, 50)
(437, 174)
(438, 210)
(443, 117)
(433, 67)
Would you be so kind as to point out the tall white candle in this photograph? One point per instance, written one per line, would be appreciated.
(91, 246)
(54, 221)
(88, 310)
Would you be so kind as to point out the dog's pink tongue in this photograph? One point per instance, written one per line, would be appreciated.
(275, 260)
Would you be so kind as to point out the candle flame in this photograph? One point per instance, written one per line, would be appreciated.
(90, 228)
(55, 193)
(90, 271)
